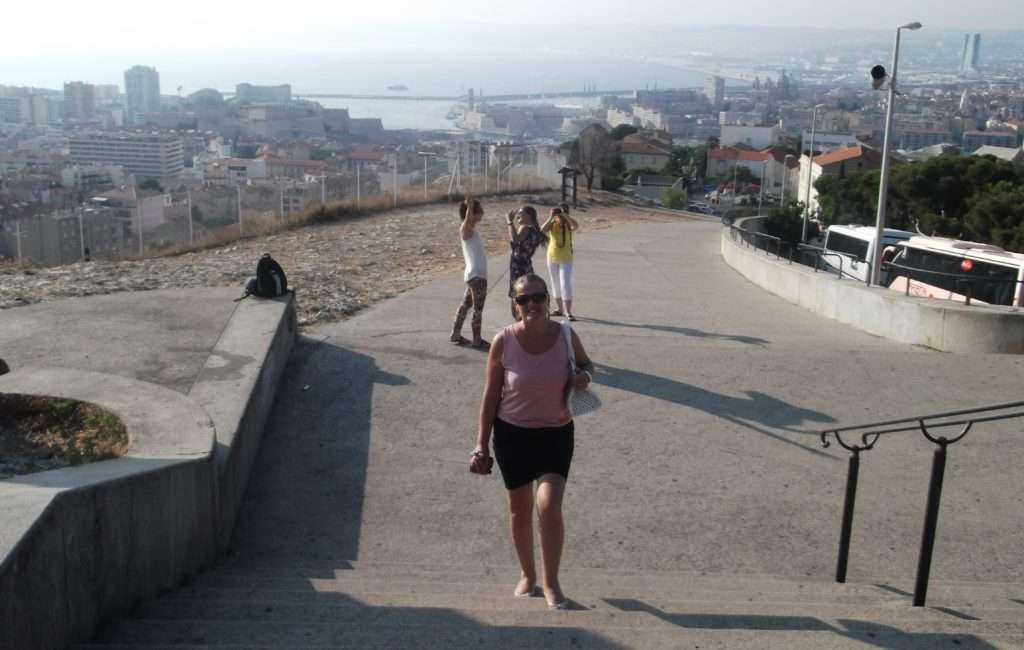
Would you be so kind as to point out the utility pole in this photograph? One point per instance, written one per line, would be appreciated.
(138, 212)
(323, 189)
(238, 188)
(191, 234)
(394, 181)
(81, 233)
(17, 237)
(358, 184)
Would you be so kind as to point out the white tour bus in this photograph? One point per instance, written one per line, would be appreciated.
(995, 276)
(856, 245)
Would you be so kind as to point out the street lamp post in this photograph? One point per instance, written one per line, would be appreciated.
(883, 183)
(810, 173)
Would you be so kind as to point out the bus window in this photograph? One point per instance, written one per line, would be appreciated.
(840, 243)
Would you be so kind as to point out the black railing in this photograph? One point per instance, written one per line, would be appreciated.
(969, 283)
(758, 240)
(925, 424)
(820, 253)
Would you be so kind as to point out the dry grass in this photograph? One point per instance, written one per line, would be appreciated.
(64, 431)
(330, 213)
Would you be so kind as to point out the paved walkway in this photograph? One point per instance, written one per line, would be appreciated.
(704, 457)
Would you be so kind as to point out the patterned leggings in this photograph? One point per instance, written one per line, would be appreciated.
(476, 293)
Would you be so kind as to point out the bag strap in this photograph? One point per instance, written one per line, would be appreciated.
(567, 333)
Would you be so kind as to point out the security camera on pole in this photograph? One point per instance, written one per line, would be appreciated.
(878, 80)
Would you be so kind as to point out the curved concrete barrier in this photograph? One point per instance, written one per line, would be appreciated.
(941, 325)
(81, 545)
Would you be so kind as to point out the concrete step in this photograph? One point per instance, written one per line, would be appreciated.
(709, 587)
(485, 573)
(492, 597)
(560, 630)
(368, 608)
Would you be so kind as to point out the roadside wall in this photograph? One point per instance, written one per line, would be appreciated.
(941, 325)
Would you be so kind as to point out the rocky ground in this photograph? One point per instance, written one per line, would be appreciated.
(336, 269)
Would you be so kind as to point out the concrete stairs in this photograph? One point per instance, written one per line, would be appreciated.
(393, 605)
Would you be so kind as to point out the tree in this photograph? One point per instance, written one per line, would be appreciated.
(786, 222)
(673, 198)
(741, 173)
(593, 153)
(681, 161)
(151, 184)
(621, 131)
(247, 150)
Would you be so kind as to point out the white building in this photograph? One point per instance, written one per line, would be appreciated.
(824, 141)
(146, 155)
(755, 137)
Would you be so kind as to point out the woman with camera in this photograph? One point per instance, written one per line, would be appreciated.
(559, 228)
(524, 237)
(524, 403)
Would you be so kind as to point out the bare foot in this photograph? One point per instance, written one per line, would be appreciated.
(525, 588)
(556, 599)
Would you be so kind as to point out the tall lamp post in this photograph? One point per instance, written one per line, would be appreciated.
(810, 173)
(878, 75)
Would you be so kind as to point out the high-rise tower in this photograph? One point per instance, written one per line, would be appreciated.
(142, 90)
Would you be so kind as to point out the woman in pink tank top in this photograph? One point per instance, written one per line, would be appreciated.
(524, 403)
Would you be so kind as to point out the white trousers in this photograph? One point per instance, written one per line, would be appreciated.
(561, 279)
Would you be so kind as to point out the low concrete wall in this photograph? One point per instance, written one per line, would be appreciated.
(942, 325)
(237, 387)
(82, 545)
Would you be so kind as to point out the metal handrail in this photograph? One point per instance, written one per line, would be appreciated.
(871, 432)
(734, 229)
(822, 252)
(968, 279)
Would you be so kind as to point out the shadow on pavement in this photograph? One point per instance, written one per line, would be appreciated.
(305, 494)
(685, 331)
(875, 634)
(758, 407)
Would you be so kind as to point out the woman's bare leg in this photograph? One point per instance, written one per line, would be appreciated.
(520, 520)
(550, 491)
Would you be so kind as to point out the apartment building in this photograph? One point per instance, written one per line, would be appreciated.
(79, 101)
(142, 92)
(145, 155)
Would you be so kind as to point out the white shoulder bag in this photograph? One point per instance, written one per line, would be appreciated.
(580, 402)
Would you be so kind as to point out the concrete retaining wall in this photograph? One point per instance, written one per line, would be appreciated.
(82, 545)
(936, 324)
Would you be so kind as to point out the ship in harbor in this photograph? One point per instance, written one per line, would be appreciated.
(398, 87)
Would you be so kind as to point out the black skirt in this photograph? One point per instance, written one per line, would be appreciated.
(524, 455)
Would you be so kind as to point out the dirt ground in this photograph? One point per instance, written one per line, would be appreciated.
(336, 269)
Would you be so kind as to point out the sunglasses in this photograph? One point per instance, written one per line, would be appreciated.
(524, 298)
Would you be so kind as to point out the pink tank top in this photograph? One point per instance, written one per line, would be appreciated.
(533, 394)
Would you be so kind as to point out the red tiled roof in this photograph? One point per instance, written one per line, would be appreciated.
(849, 153)
(728, 153)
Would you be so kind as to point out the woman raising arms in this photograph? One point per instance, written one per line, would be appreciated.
(559, 228)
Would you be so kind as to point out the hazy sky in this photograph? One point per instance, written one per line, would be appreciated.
(118, 25)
